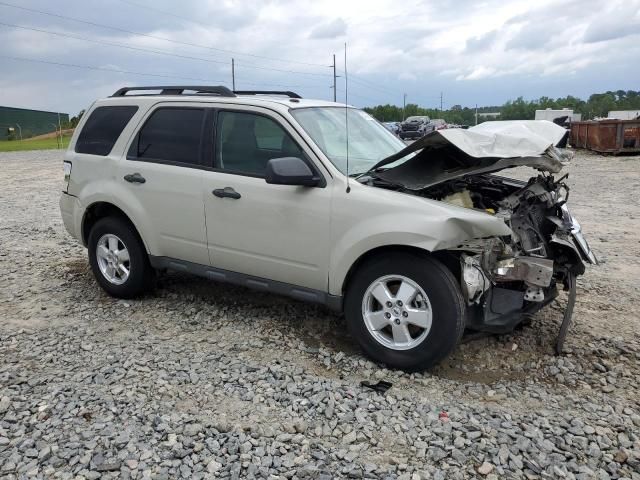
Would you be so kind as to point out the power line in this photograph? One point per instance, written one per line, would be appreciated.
(259, 67)
(372, 86)
(153, 9)
(115, 70)
(113, 44)
(362, 97)
(171, 14)
(157, 52)
(139, 5)
(155, 37)
(106, 69)
(362, 82)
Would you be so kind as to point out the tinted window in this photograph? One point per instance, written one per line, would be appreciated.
(102, 129)
(246, 142)
(171, 135)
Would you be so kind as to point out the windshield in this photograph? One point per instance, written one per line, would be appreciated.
(369, 141)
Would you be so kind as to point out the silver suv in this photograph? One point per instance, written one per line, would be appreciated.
(318, 201)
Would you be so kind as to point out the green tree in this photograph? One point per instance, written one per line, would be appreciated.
(598, 105)
(518, 109)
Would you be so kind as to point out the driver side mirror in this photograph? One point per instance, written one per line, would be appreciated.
(290, 171)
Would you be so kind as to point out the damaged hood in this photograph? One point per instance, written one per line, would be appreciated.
(492, 146)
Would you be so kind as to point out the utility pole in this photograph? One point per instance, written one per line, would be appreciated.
(58, 137)
(440, 102)
(404, 105)
(334, 77)
(476, 113)
(233, 74)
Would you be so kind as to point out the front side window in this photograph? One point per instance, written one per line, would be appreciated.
(245, 142)
(369, 142)
(102, 129)
(171, 135)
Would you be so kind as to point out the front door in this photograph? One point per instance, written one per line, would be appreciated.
(277, 232)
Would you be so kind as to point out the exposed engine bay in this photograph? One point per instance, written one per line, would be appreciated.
(504, 279)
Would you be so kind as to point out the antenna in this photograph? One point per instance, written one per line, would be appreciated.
(346, 111)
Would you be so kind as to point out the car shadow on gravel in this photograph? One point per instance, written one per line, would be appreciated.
(314, 331)
(487, 359)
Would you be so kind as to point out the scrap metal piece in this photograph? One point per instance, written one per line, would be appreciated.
(532, 270)
(568, 312)
(380, 387)
(534, 294)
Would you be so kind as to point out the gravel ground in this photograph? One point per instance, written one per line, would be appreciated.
(202, 380)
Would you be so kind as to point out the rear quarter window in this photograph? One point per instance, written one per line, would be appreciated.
(102, 129)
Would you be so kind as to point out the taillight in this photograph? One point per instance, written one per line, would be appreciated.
(67, 175)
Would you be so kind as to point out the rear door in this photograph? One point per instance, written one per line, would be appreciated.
(277, 232)
(163, 172)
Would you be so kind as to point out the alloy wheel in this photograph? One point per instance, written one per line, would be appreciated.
(397, 312)
(113, 259)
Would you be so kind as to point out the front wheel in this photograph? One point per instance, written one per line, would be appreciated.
(405, 310)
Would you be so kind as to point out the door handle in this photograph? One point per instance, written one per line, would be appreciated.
(135, 178)
(226, 192)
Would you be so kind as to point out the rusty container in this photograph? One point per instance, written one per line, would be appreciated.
(607, 136)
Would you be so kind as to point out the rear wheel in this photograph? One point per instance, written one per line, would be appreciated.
(405, 310)
(118, 258)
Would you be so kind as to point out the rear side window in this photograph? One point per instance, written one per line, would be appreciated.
(171, 135)
(102, 129)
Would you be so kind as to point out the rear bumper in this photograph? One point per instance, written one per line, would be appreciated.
(70, 210)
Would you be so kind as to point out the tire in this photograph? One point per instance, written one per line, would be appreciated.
(140, 273)
(426, 347)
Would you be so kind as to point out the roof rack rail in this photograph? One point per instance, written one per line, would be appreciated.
(286, 93)
(177, 90)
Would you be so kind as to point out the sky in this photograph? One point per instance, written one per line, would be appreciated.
(469, 52)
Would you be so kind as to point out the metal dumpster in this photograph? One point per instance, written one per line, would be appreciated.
(607, 136)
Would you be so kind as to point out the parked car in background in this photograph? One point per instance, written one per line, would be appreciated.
(414, 127)
(438, 123)
(393, 127)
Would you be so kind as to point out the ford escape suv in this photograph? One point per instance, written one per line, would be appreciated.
(318, 201)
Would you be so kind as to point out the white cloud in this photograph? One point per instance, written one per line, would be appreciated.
(478, 73)
(482, 52)
(614, 23)
(408, 76)
(332, 29)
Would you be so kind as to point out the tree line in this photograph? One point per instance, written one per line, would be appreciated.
(598, 105)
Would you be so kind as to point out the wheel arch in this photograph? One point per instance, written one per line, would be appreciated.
(447, 258)
(103, 209)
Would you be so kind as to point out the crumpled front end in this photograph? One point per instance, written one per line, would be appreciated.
(505, 277)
